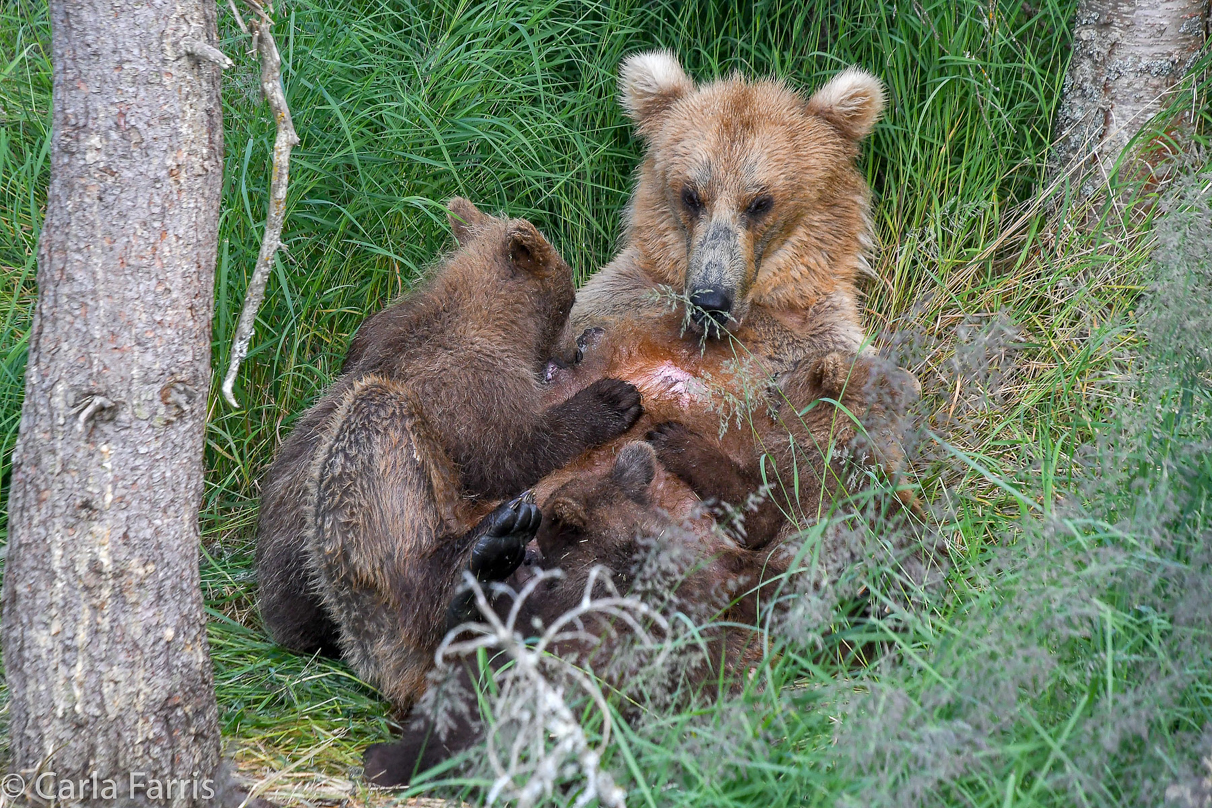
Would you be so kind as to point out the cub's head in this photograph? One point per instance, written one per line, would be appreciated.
(508, 274)
(627, 514)
(749, 192)
(597, 518)
(643, 524)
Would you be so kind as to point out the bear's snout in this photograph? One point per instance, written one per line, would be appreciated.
(712, 306)
(715, 276)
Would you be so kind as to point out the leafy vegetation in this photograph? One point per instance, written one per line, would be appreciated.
(1065, 451)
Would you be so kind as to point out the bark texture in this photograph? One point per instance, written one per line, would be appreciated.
(1127, 57)
(104, 637)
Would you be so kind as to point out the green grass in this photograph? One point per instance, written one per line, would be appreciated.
(401, 105)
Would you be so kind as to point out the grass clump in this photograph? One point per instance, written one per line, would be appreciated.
(1065, 375)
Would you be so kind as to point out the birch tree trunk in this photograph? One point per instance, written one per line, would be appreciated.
(104, 638)
(1127, 57)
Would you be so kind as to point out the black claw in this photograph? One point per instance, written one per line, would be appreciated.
(506, 525)
(536, 518)
(663, 435)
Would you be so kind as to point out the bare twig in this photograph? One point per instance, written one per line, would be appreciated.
(235, 12)
(531, 697)
(271, 86)
(92, 405)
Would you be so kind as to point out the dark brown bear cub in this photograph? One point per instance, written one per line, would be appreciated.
(390, 485)
(785, 469)
(648, 529)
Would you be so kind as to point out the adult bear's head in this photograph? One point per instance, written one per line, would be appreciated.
(749, 191)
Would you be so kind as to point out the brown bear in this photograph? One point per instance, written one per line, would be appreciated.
(746, 234)
(792, 462)
(732, 306)
(391, 484)
(622, 517)
(748, 205)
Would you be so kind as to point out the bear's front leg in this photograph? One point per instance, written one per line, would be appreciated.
(700, 463)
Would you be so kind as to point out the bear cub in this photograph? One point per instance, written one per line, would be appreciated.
(391, 485)
(646, 528)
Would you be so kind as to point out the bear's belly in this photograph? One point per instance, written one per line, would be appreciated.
(667, 384)
(681, 379)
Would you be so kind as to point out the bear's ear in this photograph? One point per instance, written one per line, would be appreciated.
(634, 470)
(569, 513)
(852, 101)
(649, 83)
(465, 219)
(528, 250)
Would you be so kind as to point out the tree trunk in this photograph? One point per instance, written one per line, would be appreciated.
(1127, 57)
(104, 633)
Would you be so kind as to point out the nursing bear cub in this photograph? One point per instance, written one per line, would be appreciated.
(391, 485)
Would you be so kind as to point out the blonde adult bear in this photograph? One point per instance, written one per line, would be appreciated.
(745, 238)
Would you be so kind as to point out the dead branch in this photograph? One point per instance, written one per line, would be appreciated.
(531, 695)
(286, 139)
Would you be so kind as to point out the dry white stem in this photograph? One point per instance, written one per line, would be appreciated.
(235, 12)
(531, 698)
(271, 86)
(202, 50)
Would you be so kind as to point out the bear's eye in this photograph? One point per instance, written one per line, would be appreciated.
(692, 201)
(760, 206)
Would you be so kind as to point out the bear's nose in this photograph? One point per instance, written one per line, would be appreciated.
(714, 303)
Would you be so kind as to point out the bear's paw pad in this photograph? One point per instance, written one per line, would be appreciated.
(502, 546)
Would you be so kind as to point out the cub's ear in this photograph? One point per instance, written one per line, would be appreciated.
(852, 101)
(830, 376)
(649, 83)
(564, 511)
(634, 470)
(528, 250)
(465, 219)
